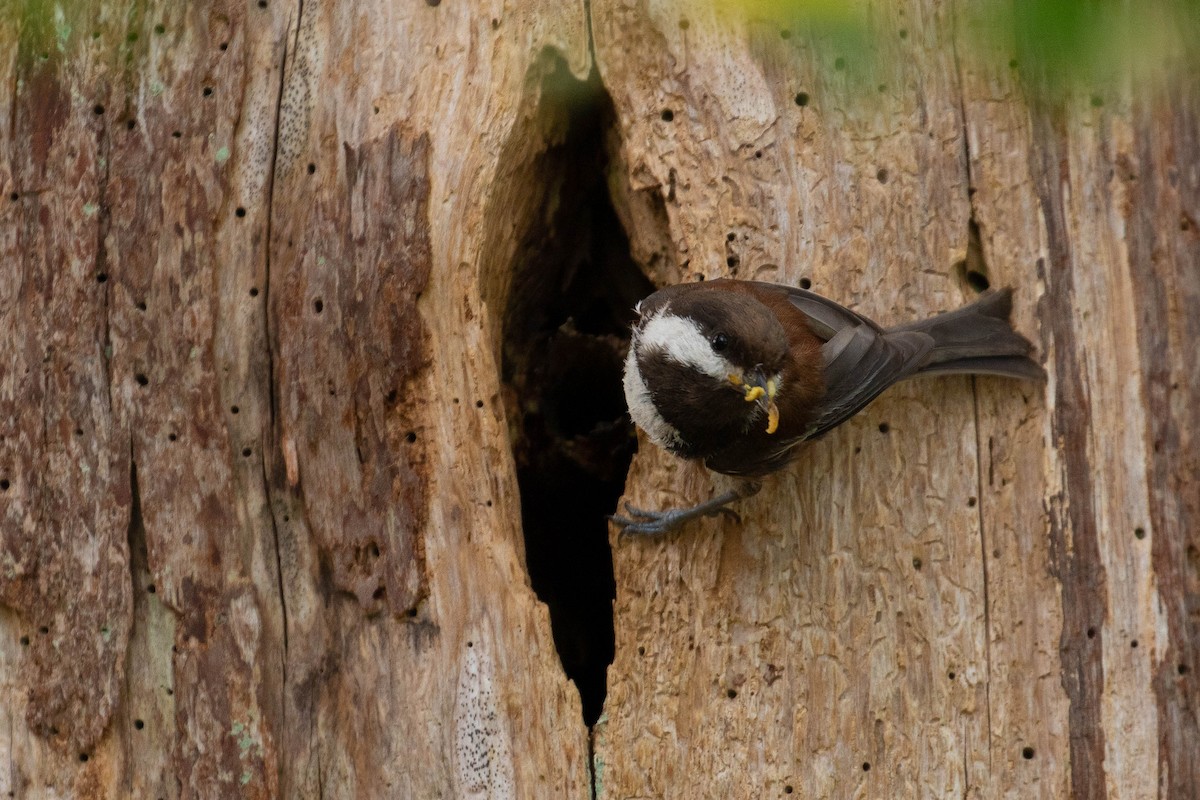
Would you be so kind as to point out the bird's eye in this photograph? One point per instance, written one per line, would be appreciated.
(719, 342)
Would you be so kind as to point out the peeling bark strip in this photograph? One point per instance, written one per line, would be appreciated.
(64, 469)
(1168, 303)
(352, 344)
(1075, 552)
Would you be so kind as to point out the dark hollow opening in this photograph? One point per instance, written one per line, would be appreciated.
(973, 269)
(566, 328)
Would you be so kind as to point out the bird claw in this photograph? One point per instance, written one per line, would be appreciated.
(656, 523)
(645, 523)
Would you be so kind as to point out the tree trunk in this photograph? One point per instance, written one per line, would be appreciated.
(311, 318)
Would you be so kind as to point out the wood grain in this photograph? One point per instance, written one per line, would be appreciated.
(270, 601)
(984, 652)
(259, 517)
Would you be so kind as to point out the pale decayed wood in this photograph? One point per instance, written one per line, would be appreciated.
(956, 603)
(809, 643)
(260, 523)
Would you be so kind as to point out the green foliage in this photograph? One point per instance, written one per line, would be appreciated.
(1058, 45)
(60, 31)
(1082, 44)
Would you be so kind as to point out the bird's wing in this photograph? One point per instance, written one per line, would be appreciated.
(860, 362)
(861, 358)
(825, 317)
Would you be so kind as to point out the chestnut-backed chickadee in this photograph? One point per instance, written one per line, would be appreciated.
(738, 373)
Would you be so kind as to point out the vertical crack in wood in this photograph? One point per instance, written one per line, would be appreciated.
(272, 393)
(591, 761)
(966, 763)
(591, 39)
(103, 225)
(983, 560)
(320, 769)
(972, 238)
(974, 248)
(12, 767)
(135, 539)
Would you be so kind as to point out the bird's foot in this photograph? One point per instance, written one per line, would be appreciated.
(655, 523)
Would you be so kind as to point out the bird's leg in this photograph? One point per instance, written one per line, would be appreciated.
(653, 523)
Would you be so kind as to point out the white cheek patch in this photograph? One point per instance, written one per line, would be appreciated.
(641, 406)
(681, 341)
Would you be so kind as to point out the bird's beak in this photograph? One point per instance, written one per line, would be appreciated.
(758, 388)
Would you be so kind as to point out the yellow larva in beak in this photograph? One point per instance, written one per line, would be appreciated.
(755, 393)
(750, 391)
(772, 408)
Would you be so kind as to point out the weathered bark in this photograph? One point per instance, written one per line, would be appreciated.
(231, 226)
(260, 527)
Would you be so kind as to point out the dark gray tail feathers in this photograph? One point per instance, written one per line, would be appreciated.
(978, 339)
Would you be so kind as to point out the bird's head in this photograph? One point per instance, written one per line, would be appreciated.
(704, 366)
